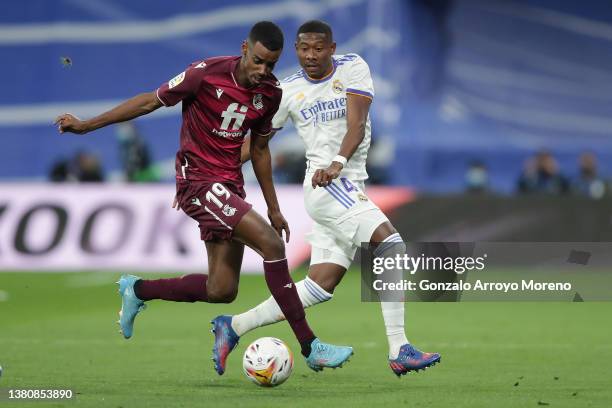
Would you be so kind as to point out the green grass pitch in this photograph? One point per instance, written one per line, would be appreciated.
(58, 330)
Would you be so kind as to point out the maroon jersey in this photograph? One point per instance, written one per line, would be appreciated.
(217, 114)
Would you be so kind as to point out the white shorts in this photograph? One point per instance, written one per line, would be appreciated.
(344, 218)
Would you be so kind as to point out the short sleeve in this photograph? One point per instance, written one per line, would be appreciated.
(281, 116)
(184, 85)
(263, 127)
(360, 79)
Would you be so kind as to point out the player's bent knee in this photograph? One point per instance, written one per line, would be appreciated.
(273, 247)
(222, 295)
(383, 231)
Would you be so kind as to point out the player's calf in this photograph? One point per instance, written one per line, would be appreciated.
(326, 275)
(187, 288)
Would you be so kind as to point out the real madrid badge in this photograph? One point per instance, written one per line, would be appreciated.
(337, 86)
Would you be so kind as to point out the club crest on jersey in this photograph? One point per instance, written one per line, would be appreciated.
(176, 80)
(258, 102)
(337, 86)
(229, 211)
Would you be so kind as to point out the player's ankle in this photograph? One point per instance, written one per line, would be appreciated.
(136, 288)
(307, 347)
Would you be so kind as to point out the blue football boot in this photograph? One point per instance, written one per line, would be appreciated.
(412, 359)
(226, 340)
(130, 304)
(324, 355)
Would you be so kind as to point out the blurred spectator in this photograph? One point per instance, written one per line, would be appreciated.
(61, 172)
(476, 177)
(84, 167)
(541, 175)
(135, 157)
(380, 157)
(588, 182)
(289, 167)
(88, 168)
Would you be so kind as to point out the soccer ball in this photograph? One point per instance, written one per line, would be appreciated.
(268, 362)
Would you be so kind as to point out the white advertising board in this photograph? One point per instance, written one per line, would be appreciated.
(75, 227)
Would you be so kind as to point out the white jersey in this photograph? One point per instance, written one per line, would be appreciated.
(318, 111)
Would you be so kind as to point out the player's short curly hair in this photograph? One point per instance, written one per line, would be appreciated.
(316, 26)
(268, 34)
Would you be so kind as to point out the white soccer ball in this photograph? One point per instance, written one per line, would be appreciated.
(268, 362)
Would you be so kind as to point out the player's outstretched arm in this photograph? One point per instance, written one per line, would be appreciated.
(130, 109)
(356, 117)
(262, 166)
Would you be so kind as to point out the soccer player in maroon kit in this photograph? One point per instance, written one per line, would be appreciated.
(222, 99)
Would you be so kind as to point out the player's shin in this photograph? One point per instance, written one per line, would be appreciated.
(284, 291)
(188, 288)
(392, 304)
(268, 312)
(393, 315)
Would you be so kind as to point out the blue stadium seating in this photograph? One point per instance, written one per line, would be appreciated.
(455, 80)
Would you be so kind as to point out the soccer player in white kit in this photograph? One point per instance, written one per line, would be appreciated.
(328, 101)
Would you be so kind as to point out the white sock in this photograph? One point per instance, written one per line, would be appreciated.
(268, 311)
(393, 312)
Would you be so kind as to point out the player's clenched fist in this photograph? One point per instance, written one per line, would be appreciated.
(70, 123)
(324, 177)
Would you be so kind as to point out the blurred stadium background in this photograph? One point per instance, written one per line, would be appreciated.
(457, 82)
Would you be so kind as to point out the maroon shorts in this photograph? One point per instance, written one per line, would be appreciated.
(217, 207)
